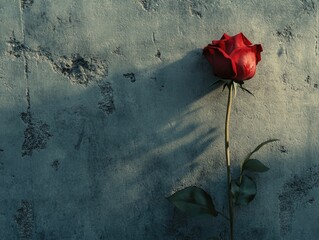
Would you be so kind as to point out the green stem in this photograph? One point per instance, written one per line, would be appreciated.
(227, 150)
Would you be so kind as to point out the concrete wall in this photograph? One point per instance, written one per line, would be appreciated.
(107, 108)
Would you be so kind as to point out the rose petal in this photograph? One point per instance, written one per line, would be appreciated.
(233, 57)
(244, 40)
(222, 43)
(258, 49)
(222, 64)
(238, 41)
(245, 59)
(229, 44)
(225, 36)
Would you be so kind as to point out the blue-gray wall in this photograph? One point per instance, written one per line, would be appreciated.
(107, 108)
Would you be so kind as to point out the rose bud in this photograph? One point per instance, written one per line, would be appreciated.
(233, 57)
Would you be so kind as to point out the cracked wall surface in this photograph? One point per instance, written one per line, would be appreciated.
(107, 107)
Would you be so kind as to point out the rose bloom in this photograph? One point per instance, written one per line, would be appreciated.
(233, 57)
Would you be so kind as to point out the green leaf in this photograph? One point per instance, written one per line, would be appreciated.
(245, 192)
(235, 189)
(259, 147)
(193, 201)
(254, 165)
(246, 90)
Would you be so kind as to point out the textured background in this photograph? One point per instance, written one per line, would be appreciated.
(107, 108)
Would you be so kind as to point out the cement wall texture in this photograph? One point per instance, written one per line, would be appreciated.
(107, 108)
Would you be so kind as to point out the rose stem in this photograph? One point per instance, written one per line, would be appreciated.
(227, 150)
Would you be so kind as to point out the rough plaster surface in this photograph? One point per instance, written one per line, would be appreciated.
(107, 107)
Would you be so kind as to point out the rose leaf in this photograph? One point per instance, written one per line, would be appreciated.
(259, 147)
(193, 201)
(254, 165)
(244, 192)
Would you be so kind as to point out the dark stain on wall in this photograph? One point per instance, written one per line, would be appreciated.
(158, 54)
(79, 69)
(26, 3)
(287, 80)
(107, 102)
(281, 51)
(130, 76)
(118, 51)
(195, 9)
(310, 81)
(16, 48)
(307, 80)
(283, 149)
(36, 134)
(24, 218)
(308, 6)
(286, 34)
(149, 5)
(55, 164)
(294, 191)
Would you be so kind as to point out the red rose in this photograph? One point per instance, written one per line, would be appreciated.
(234, 57)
